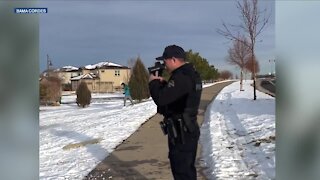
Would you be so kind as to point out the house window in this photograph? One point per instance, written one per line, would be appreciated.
(117, 72)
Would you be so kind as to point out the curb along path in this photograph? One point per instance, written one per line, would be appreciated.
(144, 155)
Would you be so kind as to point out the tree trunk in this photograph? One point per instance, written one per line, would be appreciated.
(241, 80)
(253, 73)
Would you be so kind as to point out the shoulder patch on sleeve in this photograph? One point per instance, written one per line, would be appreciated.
(171, 83)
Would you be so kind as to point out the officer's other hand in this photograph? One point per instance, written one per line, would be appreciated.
(153, 77)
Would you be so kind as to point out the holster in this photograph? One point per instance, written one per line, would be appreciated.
(171, 127)
(182, 130)
(175, 128)
(190, 122)
(164, 127)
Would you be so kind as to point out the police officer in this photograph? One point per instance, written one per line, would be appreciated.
(178, 101)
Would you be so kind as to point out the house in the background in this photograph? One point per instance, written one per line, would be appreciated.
(91, 80)
(102, 77)
(65, 74)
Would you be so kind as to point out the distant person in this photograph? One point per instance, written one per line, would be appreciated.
(178, 101)
(126, 92)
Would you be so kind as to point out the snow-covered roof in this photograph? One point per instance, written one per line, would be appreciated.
(66, 69)
(103, 64)
(85, 76)
(69, 68)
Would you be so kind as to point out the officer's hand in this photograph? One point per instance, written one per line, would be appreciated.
(153, 77)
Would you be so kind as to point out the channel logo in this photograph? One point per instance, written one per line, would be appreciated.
(30, 10)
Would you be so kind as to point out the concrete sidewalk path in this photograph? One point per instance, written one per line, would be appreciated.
(144, 155)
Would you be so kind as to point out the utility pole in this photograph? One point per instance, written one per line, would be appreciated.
(49, 63)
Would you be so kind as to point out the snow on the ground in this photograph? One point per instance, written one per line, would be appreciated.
(233, 125)
(238, 135)
(69, 124)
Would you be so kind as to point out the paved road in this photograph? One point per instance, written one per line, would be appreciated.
(267, 86)
(144, 155)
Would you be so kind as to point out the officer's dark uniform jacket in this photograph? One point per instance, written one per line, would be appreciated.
(178, 101)
(180, 96)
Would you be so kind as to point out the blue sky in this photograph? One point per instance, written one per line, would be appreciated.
(78, 33)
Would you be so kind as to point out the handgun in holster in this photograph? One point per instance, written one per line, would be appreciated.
(164, 127)
(172, 131)
(168, 128)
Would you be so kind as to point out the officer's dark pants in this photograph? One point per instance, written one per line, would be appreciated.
(182, 157)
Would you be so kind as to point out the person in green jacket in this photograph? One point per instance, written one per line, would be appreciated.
(126, 92)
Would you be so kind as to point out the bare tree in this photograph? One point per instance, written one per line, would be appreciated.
(252, 65)
(251, 25)
(225, 74)
(239, 55)
(50, 90)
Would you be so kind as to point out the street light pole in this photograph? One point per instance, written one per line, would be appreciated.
(274, 69)
(270, 62)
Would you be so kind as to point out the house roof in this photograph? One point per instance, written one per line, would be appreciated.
(100, 65)
(105, 65)
(46, 72)
(85, 76)
(68, 69)
(50, 78)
